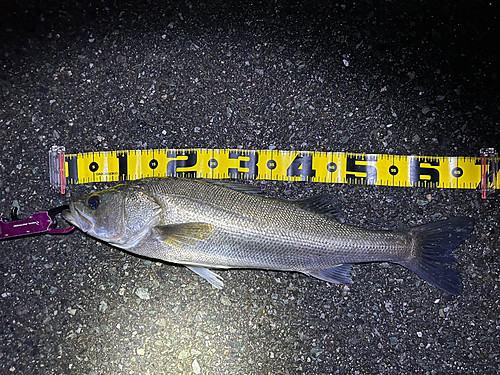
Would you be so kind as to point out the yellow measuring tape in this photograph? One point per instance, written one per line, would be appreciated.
(327, 167)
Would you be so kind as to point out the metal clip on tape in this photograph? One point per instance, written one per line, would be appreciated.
(489, 171)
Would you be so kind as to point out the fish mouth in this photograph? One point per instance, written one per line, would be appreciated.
(78, 218)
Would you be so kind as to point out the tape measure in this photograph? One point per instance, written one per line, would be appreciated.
(326, 167)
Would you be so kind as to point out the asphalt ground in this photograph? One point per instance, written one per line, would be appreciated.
(413, 77)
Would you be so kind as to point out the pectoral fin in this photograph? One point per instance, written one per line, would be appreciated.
(208, 275)
(187, 234)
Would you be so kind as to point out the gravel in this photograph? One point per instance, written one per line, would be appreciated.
(415, 77)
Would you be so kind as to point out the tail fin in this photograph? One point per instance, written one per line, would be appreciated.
(434, 243)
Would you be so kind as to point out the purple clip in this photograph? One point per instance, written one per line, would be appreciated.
(39, 222)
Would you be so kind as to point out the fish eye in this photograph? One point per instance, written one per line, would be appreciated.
(93, 202)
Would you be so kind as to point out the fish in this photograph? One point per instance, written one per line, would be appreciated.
(207, 224)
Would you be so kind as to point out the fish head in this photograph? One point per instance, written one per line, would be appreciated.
(121, 215)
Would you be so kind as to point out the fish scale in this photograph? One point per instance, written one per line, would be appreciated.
(276, 229)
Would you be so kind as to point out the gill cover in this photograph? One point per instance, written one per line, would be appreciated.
(121, 215)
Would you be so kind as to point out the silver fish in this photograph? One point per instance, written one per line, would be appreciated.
(204, 225)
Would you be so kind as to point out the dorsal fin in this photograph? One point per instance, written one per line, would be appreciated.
(246, 188)
(321, 204)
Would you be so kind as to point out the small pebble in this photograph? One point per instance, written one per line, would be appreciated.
(183, 354)
(196, 367)
(142, 293)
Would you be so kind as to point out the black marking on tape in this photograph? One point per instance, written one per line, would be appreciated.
(331, 167)
(122, 165)
(369, 171)
(93, 167)
(72, 169)
(153, 164)
(457, 172)
(251, 165)
(213, 163)
(393, 170)
(301, 166)
(173, 165)
(424, 176)
(271, 164)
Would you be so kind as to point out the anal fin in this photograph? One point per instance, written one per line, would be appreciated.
(214, 279)
(338, 275)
